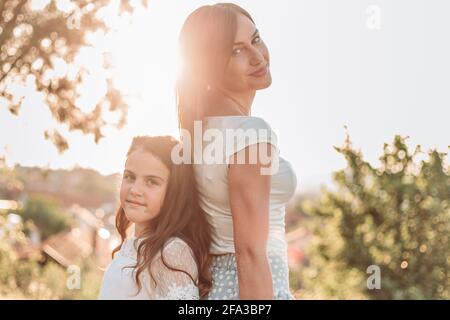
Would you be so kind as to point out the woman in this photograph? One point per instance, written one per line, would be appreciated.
(224, 63)
(167, 257)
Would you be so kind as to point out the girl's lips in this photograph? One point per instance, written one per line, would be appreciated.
(260, 72)
(135, 203)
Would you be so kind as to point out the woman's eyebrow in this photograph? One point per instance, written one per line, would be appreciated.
(253, 35)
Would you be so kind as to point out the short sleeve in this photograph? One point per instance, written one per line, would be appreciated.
(171, 284)
(249, 131)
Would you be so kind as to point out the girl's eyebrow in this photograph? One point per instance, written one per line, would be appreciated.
(154, 177)
(148, 176)
(253, 35)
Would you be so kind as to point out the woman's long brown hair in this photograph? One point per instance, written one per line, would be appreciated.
(180, 216)
(206, 44)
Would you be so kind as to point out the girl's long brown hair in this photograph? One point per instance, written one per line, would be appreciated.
(180, 216)
(206, 44)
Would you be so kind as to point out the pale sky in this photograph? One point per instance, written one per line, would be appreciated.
(379, 67)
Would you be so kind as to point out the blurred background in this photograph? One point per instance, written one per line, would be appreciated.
(359, 101)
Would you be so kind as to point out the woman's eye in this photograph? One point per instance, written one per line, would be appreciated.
(257, 39)
(128, 177)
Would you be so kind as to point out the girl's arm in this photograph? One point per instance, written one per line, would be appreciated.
(249, 199)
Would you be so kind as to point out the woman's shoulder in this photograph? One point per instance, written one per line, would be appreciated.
(243, 122)
(241, 131)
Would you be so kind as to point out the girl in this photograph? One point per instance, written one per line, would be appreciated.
(224, 62)
(167, 258)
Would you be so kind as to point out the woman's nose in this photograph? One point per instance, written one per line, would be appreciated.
(257, 57)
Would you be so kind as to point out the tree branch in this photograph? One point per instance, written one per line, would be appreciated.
(25, 51)
(11, 23)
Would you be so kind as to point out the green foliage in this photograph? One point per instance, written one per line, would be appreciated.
(396, 216)
(10, 185)
(45, 215)
(30, 279)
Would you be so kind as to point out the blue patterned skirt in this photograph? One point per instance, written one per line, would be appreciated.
(225, 280)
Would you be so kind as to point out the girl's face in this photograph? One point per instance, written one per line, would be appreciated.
(143, 187)
(249, 55)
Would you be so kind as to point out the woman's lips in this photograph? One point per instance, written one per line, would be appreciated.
(260, 72)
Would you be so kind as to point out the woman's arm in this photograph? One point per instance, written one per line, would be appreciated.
(249, 199)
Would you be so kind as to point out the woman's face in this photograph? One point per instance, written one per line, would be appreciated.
(249, 55)
(143, 188)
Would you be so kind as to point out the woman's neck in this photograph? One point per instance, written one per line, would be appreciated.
(229, 104)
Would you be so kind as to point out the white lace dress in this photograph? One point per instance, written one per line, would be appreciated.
(119, 282)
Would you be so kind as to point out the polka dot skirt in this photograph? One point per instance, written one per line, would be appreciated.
(225, 280)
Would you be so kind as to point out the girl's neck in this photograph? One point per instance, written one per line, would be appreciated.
(139, 229)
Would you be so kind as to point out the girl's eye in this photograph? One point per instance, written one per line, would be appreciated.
(127, 177)
(257, 39)
(151, 182)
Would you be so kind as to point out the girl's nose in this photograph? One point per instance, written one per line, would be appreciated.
(136, 191)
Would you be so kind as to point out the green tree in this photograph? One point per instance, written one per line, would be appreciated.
(28, 278)
(33, 42)
(10, 185)
(45, 215)
(396, 217)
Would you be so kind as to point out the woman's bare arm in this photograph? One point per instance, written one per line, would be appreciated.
(249, 199)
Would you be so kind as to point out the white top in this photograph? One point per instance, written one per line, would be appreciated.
(212, 181)
(119, 282)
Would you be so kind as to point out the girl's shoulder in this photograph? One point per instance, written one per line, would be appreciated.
(177, 253)
(128, 249)
(176, 244)
(173, 247)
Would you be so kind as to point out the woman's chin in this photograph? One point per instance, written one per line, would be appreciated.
(262, 83)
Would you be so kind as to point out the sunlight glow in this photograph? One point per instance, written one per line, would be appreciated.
(323, 78)
(39, 4)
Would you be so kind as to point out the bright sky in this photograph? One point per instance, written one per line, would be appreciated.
(379, 67)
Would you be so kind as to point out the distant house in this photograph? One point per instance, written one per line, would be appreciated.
(66, 248)
(88, 238)
(86, 222)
